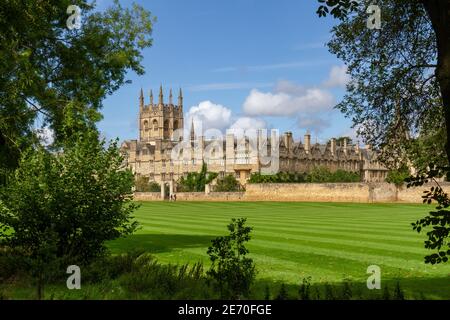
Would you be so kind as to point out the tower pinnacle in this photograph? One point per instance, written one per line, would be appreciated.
(170, 96)
(151, 97)
(161, 95)
(141, 100)
(180, 99)
(192, 130)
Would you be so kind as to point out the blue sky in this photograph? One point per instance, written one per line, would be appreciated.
(240, 63)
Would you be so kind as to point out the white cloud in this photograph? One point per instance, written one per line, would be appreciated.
(209, 115)
(246, 123)
(338, 77)
(284, 86)
(287, 100)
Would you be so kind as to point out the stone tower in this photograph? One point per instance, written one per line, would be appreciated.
(159, 121)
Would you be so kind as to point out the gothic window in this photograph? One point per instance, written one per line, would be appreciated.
(166, 129)
(146, 125)
(175, 125)
(155, 124)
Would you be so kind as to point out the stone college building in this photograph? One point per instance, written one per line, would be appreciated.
(164, 151)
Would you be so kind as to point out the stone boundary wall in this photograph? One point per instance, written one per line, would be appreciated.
(321, 192)
(212, 196)
(192, 196)
(307, 192)
(147, 196)
(414, 195)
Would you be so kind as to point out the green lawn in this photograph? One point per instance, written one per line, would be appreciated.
(327, 241)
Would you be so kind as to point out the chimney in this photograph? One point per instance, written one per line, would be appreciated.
(345, 146)
(287, 138)
(333, 146)
(307, 142)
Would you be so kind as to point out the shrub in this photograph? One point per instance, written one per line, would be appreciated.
(316, 175)
(280, 177)
(196, 181)
(266, 292)
(227, 184)
(398, 292)
(323, 174)
(329, 294)
(398, 176)
(231, 271)
(386, 294)
(11, 264)
(347, 293)
(282, 294)
(170, 281)
(154, 187)
(142, 184)
(64, 206)
(304, 291)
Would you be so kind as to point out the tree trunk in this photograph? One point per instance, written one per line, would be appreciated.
(439, 13)
(40, 287)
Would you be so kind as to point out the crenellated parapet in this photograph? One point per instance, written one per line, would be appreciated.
(159, 120)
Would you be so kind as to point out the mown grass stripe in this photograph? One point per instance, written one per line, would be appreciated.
(327, 241)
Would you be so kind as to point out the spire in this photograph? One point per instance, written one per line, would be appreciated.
(170, 96)
(151, 97)
(180, 99)
(192, 130)
(161, 95)
(141, 99)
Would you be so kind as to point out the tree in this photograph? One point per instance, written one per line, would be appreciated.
(45, 66)
(231, 270)
(409, 59)
(340, 141)
(60, 208)
(196, 181)
(400, 88)
(439, 220)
